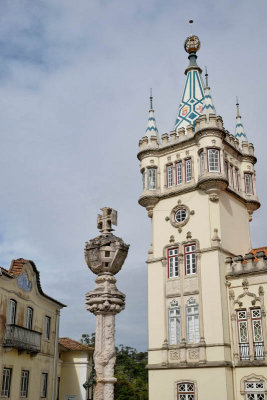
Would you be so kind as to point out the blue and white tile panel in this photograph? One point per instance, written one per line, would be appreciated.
(151, 129)
(239, 131)
(208, 107)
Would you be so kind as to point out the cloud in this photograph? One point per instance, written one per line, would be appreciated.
(74, 86)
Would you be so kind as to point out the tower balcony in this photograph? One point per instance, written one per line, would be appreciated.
(22, 339)
(212, 180)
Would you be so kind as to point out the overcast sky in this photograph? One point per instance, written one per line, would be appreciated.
(74, 97)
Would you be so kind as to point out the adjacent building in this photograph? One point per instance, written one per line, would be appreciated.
(33, 363)
(206, 287)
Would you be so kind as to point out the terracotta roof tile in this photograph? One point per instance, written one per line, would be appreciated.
(16, 266)
(71, 344)
(254, 251)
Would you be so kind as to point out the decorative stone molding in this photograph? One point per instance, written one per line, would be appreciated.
(175, 355)
(105, 256)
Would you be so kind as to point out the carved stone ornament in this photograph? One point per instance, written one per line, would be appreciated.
(175, 355)
(193, 354)
(105, 256)
(179, 216)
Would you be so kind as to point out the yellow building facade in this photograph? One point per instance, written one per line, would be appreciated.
(33, 364)
(206, 305)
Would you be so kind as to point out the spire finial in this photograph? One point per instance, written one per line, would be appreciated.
(151, 99)
(237, 107)
(206, 76)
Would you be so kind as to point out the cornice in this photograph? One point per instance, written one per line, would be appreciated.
(207, 364)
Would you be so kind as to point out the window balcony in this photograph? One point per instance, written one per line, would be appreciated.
(259, 351)
(244, 351)
(22, 339)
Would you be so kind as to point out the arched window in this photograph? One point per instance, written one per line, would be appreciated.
(174, 323)
(186, 391)
(12, 311)
(192, 321)
(202, 162)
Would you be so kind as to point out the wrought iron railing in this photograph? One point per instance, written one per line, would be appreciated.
(244, 351)
(22, 338)
(259, 351)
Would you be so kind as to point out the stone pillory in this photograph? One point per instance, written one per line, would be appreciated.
(105, 256)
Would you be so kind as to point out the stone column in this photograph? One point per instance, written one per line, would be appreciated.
(105, 256)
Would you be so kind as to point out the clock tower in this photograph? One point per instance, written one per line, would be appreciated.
(199, 191)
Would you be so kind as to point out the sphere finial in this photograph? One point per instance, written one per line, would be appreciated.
(192, 42)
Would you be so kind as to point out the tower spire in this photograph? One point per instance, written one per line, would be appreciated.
(191, 104)
(239, 128)
(151, 129)
(208, 107)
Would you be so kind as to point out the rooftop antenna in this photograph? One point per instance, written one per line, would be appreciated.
(191, 22)
(206, 76)
(237, 107)
(151, 99)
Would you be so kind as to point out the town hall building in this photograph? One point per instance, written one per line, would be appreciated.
(207, 287)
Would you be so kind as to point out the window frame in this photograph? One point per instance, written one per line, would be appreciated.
(237, 186)
(180, 165)
(202, 162)
(186, 393)
(6, 382)
(44, 385)
(226, 170)
(254, 390)
(174, 307)
(12, 315)
(210, 149)
(196, 321)
(29, 321)
(175, 272)
(169, 176)
(185, 259)
(155, 172)
(24, 383)
(251, 183)
(188, 161)
(47, 327)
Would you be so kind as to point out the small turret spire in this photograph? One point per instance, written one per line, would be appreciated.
(151, 129)
(208, 107)
(239, 129)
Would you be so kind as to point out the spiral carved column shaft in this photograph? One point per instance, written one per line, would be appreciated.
(105, 256)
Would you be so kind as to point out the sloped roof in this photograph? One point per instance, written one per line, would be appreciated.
(16, 268)
(254, 251)
(73, 345)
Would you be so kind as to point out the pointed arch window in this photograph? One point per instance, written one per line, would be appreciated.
(202, 162)
(248, 184)
(192, 321)
(188, 170)
(179, 173)
(242, 325)
(257, 334)
(174, 323)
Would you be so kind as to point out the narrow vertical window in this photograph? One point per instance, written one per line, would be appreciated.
(248, 184)
(173, 265)
(144, 179)
(232, 175)
(12, 311)
(188, 170)
(47, 327)
(44, 379)
(237, 179)
(202, 162)
(226, 169)
(255, 390)
(169, 176)
(186, 391)
(6, 382)
(242, 325)
(29, 318)
(214, 160)
(257, 334)
(190, 259)
(24, 384)
(174, 323)
(179, 173)
(192, 321)
(152, 178)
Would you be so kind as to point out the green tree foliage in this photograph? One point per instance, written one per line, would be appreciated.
(131, 374)
(130, 371)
